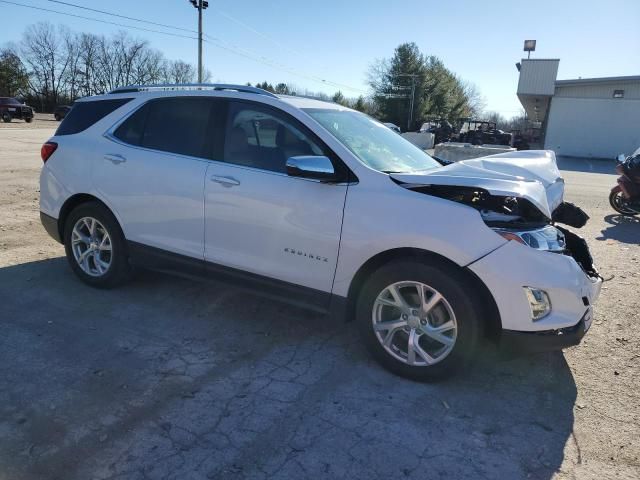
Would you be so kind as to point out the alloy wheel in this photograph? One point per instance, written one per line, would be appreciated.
(91, 246)
(414, 323)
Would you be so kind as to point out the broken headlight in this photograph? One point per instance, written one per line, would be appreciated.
(547, 238)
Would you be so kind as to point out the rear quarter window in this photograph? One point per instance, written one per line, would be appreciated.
(84, 114)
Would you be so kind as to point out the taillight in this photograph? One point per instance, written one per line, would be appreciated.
(47, 149)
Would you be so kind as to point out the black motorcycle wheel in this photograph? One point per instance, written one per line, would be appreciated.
(618, 203)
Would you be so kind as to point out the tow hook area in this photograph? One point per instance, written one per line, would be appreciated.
(514, 342)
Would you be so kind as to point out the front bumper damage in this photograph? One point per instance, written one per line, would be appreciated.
(530, 342)
(570, 280)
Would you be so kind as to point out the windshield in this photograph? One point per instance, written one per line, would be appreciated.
(374, 144)
(9, 101)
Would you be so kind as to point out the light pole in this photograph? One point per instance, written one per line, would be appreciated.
(413, 77)
(200, 5)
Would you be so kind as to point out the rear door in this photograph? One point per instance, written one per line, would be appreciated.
(151, 172)
(259, 219)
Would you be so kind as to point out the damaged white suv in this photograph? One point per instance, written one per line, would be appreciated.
(324, 207)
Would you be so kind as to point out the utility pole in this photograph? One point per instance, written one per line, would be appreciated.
(412, 99)
(200, 5)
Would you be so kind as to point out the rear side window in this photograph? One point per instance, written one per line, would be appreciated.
(132, 129)
(177, 125)
(84, 114)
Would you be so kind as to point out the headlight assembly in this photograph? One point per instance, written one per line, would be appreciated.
(547, 238)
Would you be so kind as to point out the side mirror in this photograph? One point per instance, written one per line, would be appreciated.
(621, 158)
(311, 166)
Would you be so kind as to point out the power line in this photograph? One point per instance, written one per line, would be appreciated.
(259, 33)
(213, 40)
(123, 16)
(274, 64)
(285, 47)
(97, 20)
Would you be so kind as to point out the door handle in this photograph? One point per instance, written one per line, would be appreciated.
(115, 158)
(225, 181)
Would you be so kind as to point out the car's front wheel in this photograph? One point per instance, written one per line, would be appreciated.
(95, 246)
(28, 119)
(419, 320)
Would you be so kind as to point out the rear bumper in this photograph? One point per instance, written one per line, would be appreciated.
(529, 342)
(50, 224)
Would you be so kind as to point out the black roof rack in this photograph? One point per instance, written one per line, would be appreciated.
(165, 87)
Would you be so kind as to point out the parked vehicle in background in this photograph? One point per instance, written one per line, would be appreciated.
(519, 140)
(61, 111)
(442, 130)
(625, 197)
(480, 132)
(392, 126)
(324, 207)
(11, 108)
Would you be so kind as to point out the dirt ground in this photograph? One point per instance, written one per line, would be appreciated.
(169, 378)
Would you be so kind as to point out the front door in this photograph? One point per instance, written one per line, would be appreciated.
(258, 219)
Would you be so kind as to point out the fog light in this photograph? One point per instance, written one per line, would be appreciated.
(538, 302)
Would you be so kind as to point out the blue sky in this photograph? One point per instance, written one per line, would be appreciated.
(337, 41)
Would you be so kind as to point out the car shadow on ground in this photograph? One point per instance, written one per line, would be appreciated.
(624, 229)
(167, 377)
(588, 165)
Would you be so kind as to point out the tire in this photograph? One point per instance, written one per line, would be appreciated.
(6, 118)
(105, 264)
(57, 117)
(616, 200)
(457, 304)
(28, 120)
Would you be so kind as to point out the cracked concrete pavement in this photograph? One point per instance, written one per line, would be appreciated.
(168, 378)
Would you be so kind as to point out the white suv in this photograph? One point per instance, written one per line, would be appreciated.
(324, 207)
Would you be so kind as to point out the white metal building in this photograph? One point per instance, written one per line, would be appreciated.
(586, 117)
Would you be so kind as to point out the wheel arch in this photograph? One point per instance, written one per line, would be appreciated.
(74, 201)
(490, 313)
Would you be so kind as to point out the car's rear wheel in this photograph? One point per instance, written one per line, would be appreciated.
(419, 320)
(6, 118)
(95, 246)
(57, 117)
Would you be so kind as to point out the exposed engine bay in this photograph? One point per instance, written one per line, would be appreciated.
(520, 216)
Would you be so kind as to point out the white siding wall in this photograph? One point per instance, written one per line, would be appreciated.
(593, 127)
(599, 90)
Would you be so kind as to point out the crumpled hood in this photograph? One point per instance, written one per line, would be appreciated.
(532, 175)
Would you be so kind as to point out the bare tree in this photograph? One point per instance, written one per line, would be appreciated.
(475, 100)
(45, 56)
(180, 72)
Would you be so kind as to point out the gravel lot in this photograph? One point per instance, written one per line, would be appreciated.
(168, 378)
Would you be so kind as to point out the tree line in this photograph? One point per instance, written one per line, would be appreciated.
(51, 66)
(360, 103)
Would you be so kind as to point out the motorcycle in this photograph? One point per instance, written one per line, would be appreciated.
(625, 197)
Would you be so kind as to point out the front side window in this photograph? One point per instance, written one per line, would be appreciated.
(262, 138)
(372, 143)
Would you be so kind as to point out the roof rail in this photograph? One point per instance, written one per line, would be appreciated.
(191, 86)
